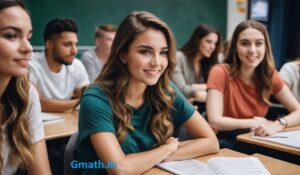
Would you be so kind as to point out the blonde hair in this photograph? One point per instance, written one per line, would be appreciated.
(104, 28)
(264, 71)
(15, 103)
(115, 77)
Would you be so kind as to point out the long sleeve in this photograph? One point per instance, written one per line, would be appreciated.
(183, 75)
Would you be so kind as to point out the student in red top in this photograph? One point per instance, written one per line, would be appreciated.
(239, 90)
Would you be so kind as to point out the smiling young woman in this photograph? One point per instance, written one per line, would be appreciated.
(194, 61)
(22, 144)
(128, 116)
(239, 90)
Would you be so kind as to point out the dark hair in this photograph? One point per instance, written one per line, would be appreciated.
(191, 48)
(10, 3)
(57, 26)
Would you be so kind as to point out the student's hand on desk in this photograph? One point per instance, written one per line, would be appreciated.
(259, 126)
(75, 103)
(172, 145)
(267, 129)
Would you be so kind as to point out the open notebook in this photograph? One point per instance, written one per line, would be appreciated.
(289, 138)
(217, 166)
(51, 118)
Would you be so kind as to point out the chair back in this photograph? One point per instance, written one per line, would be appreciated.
(70, 155)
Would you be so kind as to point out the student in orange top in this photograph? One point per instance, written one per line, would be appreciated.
(239, 90)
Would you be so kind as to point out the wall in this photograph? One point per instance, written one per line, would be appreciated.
(182, 16)
(237, 12)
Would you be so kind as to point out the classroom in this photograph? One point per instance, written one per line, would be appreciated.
(150, 87)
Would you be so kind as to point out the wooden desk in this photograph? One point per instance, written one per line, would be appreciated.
(274, 166)
(63, 128)
(282, 167)
(275, 146)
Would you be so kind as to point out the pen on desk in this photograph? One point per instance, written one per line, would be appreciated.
(277, 137)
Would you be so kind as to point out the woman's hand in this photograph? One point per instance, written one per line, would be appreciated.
(172, 144)
(200, 87)
(200, 96)
(267, 129)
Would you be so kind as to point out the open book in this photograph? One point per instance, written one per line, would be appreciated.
(216, 166)
(50, 118)
(289, 138)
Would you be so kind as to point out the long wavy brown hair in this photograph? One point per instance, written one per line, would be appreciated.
(191, 48)
(14, 103)
(264, 71)
(114, 78)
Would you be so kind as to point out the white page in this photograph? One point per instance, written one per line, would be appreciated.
(237, 166)
(288, 138)
(50, 118)
(186, 167)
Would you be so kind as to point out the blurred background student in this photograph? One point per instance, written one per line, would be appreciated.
(239, 90)
(95, 59)
(58, 76)
(22, 144)
(290, 73)
(194, 61)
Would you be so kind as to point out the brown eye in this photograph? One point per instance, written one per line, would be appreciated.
(259, 44)
(10, 36)
(164, 53)
(244, 44)
(145, 52)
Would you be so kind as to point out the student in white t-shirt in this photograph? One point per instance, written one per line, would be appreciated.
(58, 76)
(290, 73)
(22, 144)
